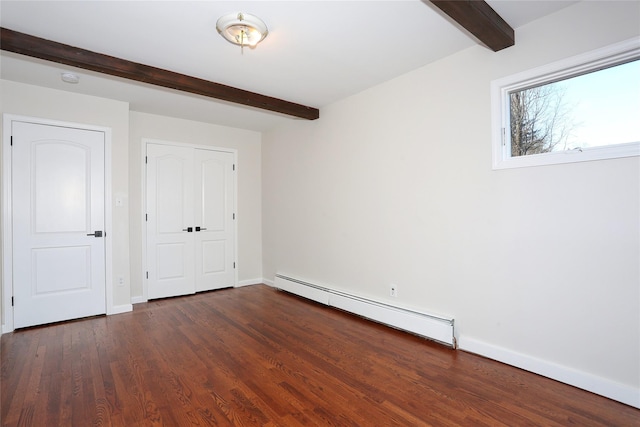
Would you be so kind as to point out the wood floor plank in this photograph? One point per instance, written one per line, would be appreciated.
(254, 356)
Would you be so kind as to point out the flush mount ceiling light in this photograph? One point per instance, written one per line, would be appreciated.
(242, 29)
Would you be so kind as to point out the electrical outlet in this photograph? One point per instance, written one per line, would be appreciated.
(393, 290)
(120, 281)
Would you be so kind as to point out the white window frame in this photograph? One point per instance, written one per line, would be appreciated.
(609, 56)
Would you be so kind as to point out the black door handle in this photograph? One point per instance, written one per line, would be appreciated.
(96, 234)
(200, 228)
(188, 229)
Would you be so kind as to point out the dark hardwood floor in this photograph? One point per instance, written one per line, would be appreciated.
(254, 356)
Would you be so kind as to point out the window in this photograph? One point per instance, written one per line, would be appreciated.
(583, 108)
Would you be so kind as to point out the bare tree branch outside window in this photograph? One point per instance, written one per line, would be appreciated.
(576, 111)
(540, 120)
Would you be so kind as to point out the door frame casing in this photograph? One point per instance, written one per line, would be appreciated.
(7, 211)
(143, 263)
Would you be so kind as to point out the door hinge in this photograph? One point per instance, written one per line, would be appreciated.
(234, 215)
(11, 141)
(234, 167)
(234, 265)
(146, 217)
(146, 159)
(11, 301)
(504, 136)
(147, 274)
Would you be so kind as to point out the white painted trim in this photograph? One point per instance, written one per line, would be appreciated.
(598, 385)
(119, 309)
(108, 221)
(138, 300)
(7, 232)
(235, 209)
(268, 282)
(591, 61)
(249, 282)
(435, 327)
(145, 141)
(143, 225)
(7, 240)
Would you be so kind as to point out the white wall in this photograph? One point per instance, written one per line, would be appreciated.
(128, 129)
(248, 145)
(34, 101)
(539, 266)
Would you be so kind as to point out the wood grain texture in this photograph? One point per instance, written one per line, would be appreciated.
(478, 18)
(254, 356)
(36, 47)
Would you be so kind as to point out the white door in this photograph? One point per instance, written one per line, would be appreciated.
(214, 229)
(58, 223)
(190, 230)
(170, 243)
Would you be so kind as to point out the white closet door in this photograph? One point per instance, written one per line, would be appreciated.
(170, 204)
(214, 220)
(58, 216)
(190, 220)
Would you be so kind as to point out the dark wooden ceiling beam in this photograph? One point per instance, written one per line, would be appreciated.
(477, 17)
(25, 44)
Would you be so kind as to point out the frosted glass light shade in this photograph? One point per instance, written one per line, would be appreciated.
(242, 29)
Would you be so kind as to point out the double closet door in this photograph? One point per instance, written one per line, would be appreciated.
(190, 220)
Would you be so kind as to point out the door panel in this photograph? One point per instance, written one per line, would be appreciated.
(213, 184)
(173, 198)
(57, 200)
(170, 247)
(60, 187)
(61, 269)
(214, 214)
(213, 256)
(173, 256)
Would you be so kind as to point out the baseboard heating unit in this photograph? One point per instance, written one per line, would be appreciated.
(430, 326)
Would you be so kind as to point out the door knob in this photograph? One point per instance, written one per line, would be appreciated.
(188, 229)
(96, 234)
(200, 228)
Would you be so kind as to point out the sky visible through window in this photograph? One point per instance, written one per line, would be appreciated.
(603, 106)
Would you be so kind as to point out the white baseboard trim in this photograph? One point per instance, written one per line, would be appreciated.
(138, 300)
(598, 385)
(268, 282)
(430, 326)
(117, 309)
(249, 282)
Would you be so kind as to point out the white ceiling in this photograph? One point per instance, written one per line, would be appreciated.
(317, 52)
